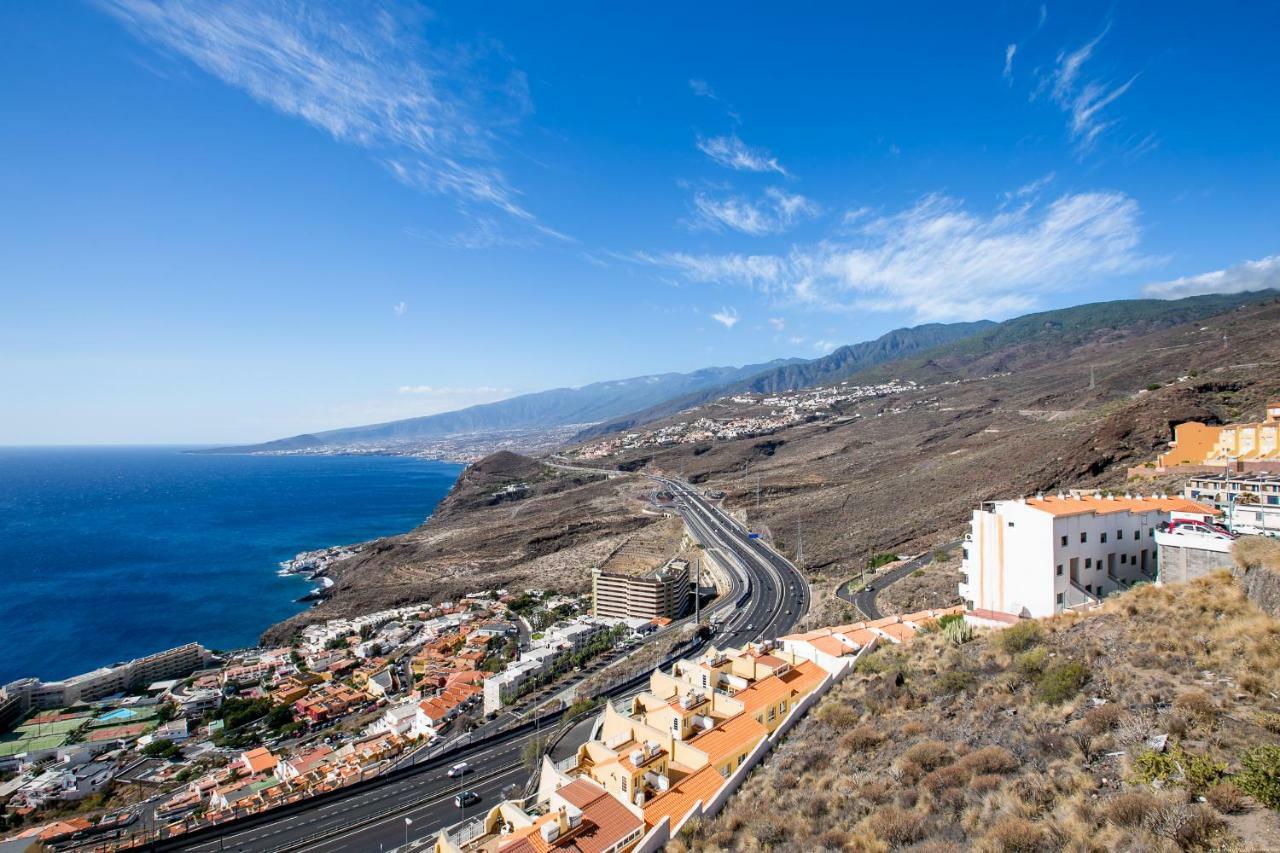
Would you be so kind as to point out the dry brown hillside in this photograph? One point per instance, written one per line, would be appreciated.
(908, 470)
(508, 521)
(1109, 731)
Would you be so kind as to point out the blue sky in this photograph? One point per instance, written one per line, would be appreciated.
(236, 221)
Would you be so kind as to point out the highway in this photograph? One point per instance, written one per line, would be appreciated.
(767, 595)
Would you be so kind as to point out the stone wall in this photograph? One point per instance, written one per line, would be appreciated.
(1257, 567)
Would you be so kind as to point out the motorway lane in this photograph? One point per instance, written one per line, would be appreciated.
(430, 794)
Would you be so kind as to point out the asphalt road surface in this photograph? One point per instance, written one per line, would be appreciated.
(865, 599)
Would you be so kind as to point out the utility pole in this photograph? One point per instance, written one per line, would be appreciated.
(757, 494)
(799, 544)
(1092, 384)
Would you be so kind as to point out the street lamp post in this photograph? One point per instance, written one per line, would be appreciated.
(407, 822)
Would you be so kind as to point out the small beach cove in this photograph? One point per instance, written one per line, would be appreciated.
(110, 553)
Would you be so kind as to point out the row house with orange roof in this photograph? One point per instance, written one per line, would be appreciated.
(580, 817)
(328, 701)
(836, 648)
(703, 719)
(1038, 556)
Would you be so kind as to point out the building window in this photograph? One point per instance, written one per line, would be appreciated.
(1104, 537)
(624, 784)
(1059, 569)
(1124, 558)
(1084, 537)
(1064, 541)
(1088, 562)
(1061, 598)
(1011, 524)
(1152, 533)
(1119, 534)
(724, 771)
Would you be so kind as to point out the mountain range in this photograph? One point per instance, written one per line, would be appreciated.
(616, 405)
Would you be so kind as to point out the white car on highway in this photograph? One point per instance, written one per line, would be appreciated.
(459, 769)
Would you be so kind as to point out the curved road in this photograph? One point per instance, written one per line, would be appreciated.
(865, 598)
(767, 597)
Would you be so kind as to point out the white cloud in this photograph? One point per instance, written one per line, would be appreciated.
(1262, 274)
(702, 89)
(727, 317)
(1083, 101)
(1008, 62)
(778, 323)
(429, 113)
(400, 308)
(444, 391)
(939, 261)
(1031, 189)
(776, 212)
(732, 153)
(825, 347)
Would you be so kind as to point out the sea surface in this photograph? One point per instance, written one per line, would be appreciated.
(108, 554)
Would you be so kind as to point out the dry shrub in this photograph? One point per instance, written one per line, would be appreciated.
(951, 776)
(833, 839)
(1267, 720)
(1036, 791)
(929, 754)
(861, 738)
(1017, 835)
(1227, 798)
(1197, 705)
(897, 826)
(1020, 637)
(1252, 683)
(989, 759)
(1103, 718)
(838, 715)
(985, 782)
(911, 728)
(1130, 809)
(1189, 826)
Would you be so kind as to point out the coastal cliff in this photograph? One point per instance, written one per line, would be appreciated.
(508, 521)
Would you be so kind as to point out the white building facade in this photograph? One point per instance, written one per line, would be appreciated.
(1039, 556)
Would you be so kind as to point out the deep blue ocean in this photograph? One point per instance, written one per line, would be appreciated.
(112, 553)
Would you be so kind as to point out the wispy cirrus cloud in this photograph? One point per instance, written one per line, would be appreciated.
(1009, 53)
(431, 113)
(400, 308)
(732, 153)
(1083, 100)
(939, 261)
(727, 317)
(447, 391)
(775, 213)
(1262, 274)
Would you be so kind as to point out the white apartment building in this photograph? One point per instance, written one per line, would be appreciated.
(1039, 556)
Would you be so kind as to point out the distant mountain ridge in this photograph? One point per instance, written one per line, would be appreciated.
(557, 407)
(840, 364)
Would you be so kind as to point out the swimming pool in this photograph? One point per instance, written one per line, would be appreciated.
(117, 715)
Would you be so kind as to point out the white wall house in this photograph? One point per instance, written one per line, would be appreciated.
(1039, 556)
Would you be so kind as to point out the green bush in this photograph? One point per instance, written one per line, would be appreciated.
(878, 560)
(1261, 775)
(950, 618)
(1061, 680)
(958, 633)
(1029, 665)
(955, 681)
(1020, 637)
(1201, 771)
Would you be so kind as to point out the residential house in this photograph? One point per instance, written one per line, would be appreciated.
(1039, 556)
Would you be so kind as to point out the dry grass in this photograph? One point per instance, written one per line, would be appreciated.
(883, 765)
